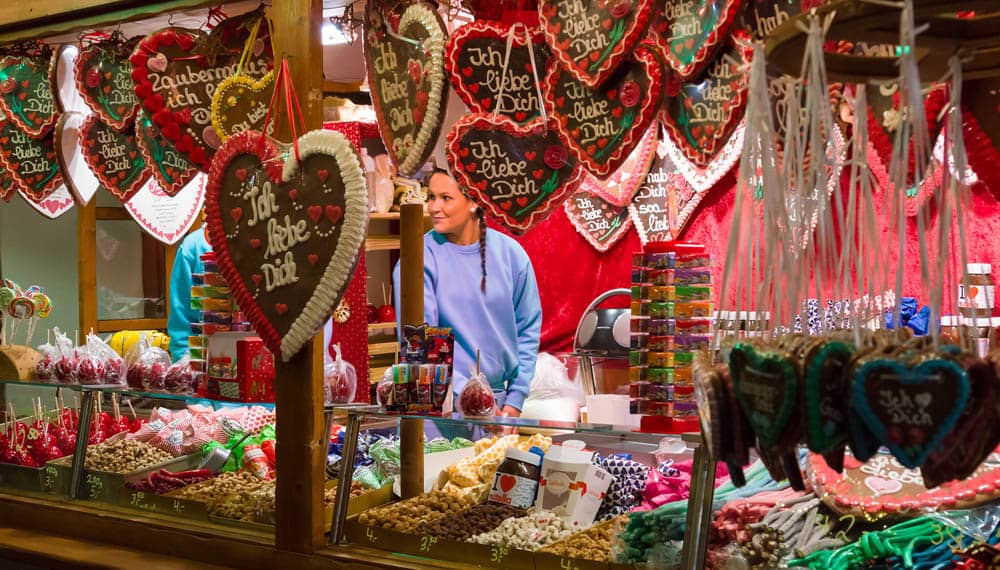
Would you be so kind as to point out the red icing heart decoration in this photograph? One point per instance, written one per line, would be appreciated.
(104, 79)
(176, 71)
(601, 127)
(32, 163)
(695, 31)
(600, 223)
(409, 87)
(26, 93)
(518, 191)
(623, 183)
(474, 58)
(592, 38)
(286, 296)
(114, 158)
(704, 114)
(53, 205)
(171, 170)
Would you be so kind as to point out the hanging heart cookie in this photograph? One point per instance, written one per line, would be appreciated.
(53, 205)
(649, 210)
(240, 104)
(167, 218)
(68, 97)
(602, 126)
(592, 38)
(600, 223)
(104, 79)
(27, 98)
(176, 71)
(766, 385)
(114, 158)
(475, 62)
(171, 170)
(624, 182)
(696, 30)
(520, 173)
(702, 117)
(826, 389)
(80, 179)
(30, 162)
(910, 410)
(8, 186)
(407, 80)
(287, 234)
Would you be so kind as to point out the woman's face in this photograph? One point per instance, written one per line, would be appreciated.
(450, 210)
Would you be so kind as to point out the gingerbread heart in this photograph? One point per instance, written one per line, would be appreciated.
(600, 223)
(171, 169)
(29, 161)
(602, 126)
(703, 116)
(649, 209)
(825, 391)
(114, 158)
(910, 410)
(177, 70)
(766, 385)
(27, 98)
(53, 204)
(8, 186)
(104, 79)
(167, 218)
(623, 183)
(309, 217)
(592, 38)
(519, 173)
(474, 58)
(408, 83)
(80, 179)
(240, 104)
(695, 31)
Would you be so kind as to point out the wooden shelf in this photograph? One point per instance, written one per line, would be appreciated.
(381, 243)
(383, 345)
(381, 326)
(376, 216)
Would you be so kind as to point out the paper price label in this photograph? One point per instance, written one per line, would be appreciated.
(498, 554)
(426, 542)
(372, 538)
(567, 564)
(95, 486)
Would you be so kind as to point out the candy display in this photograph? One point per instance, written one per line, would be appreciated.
(223, 485)
(531, 532)
(595, 543)
(468, 523)
(124, 456)
(408, 515)
(163, 481)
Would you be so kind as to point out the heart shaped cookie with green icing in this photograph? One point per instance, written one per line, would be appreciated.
(766, 384)
(27, 98)
(826, 389)
(103, 75)
(114, 158)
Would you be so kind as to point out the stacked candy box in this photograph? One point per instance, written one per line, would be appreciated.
(211, 296)
(671, 321)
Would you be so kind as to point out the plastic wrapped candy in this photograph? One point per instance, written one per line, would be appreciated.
(476, 399)
(179, 378)
(340, 380)
(99, 363)
(44, 368)
(147, 366)
(64, 367)
(383, 391)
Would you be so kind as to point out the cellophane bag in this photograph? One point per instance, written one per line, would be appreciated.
(476, 399)
(109, 367)
(134, 367)
(64, 367)
(340, 380)
(147, 366)
(45, 367)
(179, 378)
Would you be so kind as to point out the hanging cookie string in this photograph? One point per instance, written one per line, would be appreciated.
(292, 107)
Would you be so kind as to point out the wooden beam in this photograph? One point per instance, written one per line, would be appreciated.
(116, 325)
(112, 213)
(301, 453)
(86, 240)
(411, 297)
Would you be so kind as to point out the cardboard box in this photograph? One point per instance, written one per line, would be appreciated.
(240, 368)
(571, 486)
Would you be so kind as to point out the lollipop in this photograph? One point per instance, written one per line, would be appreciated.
(20, 308)
(43, 306)
(7, 294)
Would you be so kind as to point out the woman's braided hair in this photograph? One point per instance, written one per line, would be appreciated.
(481, 215)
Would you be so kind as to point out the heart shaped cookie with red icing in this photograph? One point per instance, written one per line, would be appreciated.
(623, 183)
(114, 158)
(176, 71)
(592, 38)
(287, 233)
(104, 79)
(602, 126)
(171, 169)
(32, 163)
(27, 98)
(601, 223)
(694, 30)
(519, 173)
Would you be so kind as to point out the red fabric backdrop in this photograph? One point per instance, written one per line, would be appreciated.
(571, 273)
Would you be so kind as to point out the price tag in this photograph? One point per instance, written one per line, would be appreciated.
(567, 564)
(498, 554)
(95, 485)
(51, 476)
(372, 538)
(178, 506)
(426, 542)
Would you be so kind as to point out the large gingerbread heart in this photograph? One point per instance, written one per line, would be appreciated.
(623, 183)
(408, 84)
(240, 104)
(704, 178)
(910, 410)
(104, 79)
(695, 31)
(170, 168)
(114, 158)
(176, 71)
(287, 233)
(600, 223)
(766, 385)
(520, 173)
(31, 162)
(601, 126)
(592, 38)
(475, 62)
(702, 117)
(26, 94)
(649, 209)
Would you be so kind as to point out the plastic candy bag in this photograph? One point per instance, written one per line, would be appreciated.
(340, 380)
(44, 368)
(64, 367)
(179, 378)
(383, 391)
(553, 395)
(134, 367)
(147, 366)
(476, 399)
(100, 364)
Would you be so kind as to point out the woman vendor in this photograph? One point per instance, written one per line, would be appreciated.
(480, 284)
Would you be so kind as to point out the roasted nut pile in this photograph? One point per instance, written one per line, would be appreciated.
(124, 456)
(253, 506)
(407, 515)
(330, 494)
(591, 544)
(468, 523)
(536, 530)
(221, 486)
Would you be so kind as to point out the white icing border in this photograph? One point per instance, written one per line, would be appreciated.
(435, 44)
(702, 179)
(352, 234)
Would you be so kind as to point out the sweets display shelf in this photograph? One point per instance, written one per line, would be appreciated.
(448, 489)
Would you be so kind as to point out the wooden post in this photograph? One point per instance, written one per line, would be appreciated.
(86, 250)
(299, 383)
(411, 297)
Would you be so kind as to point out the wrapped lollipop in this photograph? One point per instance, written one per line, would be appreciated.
(43, 307)
(20, 308)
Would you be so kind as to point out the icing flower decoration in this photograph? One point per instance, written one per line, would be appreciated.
(555, 156)
(7, 86)
(93, 78)
(621, 8)
(629, 94)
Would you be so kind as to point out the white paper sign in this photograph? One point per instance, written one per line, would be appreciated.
(167, 218)
(54, 205)
(79, 178)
